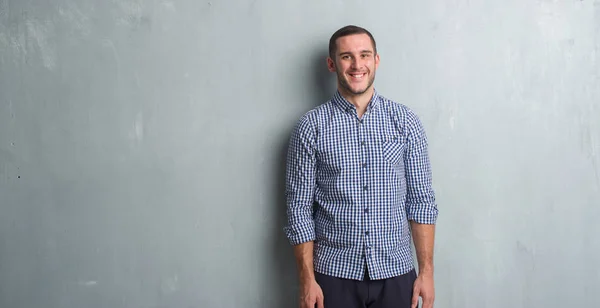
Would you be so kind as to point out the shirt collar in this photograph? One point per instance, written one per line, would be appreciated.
(343, 103)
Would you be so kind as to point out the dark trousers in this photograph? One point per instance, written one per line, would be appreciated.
(394, 292)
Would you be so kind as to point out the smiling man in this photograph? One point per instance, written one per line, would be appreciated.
(358, 189)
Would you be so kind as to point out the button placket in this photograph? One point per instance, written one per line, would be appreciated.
(363, 159)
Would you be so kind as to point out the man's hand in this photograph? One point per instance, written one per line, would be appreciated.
(311, 294)
(423, 288)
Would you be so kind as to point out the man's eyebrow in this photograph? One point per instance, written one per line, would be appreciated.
(349, 53)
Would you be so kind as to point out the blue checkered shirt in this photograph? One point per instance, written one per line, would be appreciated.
(353, 184)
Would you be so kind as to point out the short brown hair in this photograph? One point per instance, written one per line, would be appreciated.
(345, 31)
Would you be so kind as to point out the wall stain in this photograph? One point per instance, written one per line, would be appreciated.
(42, 35)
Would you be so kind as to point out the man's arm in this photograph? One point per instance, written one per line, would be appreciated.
(299, 191)
(304, 261)
(311, 294)
(424, 287)
(423, 237)
(300, 229)
(421, 208)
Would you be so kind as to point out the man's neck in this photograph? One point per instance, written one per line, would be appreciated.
(360, 101)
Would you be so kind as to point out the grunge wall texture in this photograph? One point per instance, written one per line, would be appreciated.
(142, 145)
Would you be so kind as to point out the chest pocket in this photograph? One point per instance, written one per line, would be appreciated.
(393, 149)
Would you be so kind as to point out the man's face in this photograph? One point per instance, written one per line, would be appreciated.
(355, 63)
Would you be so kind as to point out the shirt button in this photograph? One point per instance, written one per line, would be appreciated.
(365, 187)
(364, 165)
(362, 143)
(366, 210)
(366, 232)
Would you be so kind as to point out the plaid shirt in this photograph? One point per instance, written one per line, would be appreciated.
(353, 184)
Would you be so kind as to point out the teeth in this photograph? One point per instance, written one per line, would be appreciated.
(358, 76)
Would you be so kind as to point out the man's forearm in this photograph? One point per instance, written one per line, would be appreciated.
(304, 261)
(424, 238)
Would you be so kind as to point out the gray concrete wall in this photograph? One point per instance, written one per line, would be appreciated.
(141, 145)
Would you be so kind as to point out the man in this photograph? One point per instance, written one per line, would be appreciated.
(358, 189)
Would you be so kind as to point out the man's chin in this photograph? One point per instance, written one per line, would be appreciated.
(358, 91)
(354, 90)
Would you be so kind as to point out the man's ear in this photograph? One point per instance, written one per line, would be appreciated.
(377, 60)
(330, 64)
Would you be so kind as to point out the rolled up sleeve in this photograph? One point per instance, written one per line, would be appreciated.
(300, 183)
(421, 205)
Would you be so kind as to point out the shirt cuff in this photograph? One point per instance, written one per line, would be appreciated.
(423, 213)
(300, 233)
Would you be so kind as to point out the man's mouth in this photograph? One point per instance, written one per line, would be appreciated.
(357, 76)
